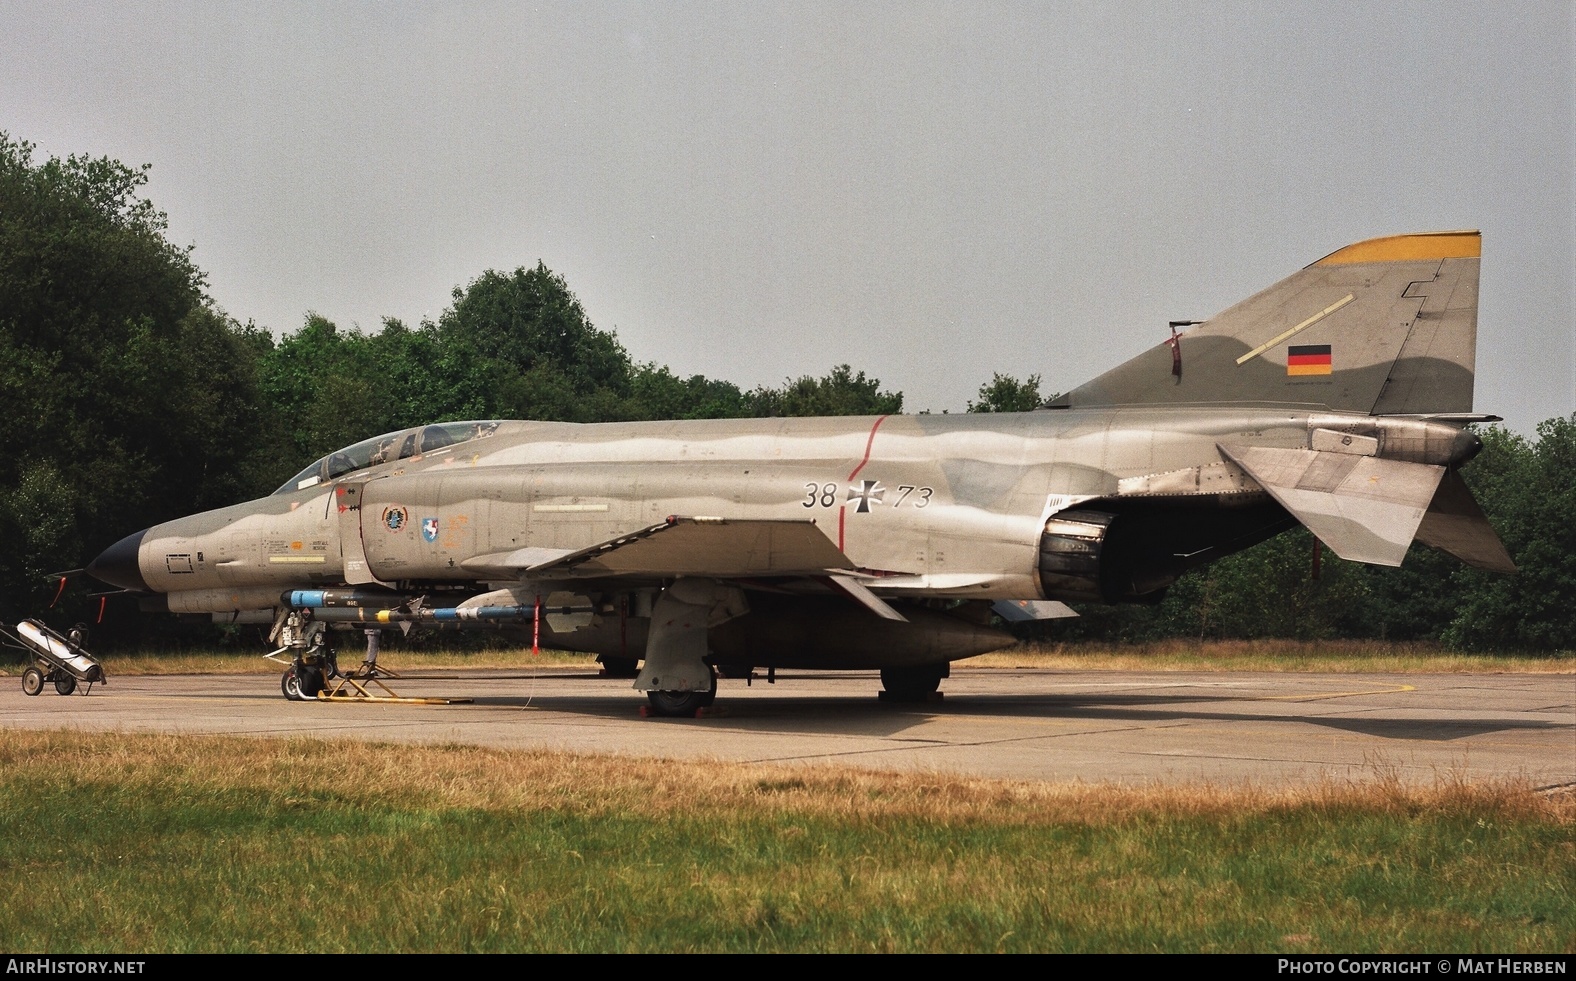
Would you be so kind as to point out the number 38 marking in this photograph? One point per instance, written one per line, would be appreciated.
(825, 495)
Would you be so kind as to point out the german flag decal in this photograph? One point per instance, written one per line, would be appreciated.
(1308, 359)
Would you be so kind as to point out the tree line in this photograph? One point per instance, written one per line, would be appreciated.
(133, 399)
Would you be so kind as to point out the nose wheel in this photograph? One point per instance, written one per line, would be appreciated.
(301, 683)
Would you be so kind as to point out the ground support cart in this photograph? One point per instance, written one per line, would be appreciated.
(55, 658)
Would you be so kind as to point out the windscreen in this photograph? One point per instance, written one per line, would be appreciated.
(401, 445)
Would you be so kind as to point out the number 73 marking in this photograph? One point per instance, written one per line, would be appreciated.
(865, 495)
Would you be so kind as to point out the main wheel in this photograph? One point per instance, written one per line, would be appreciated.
(912, 684)
(683, 702)
(65, 684)
(32, 681)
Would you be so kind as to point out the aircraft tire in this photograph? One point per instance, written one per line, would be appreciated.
(312, 682)
(912, 684)
(32, 681)
(301, 684)
(65, 685)
(682, 703)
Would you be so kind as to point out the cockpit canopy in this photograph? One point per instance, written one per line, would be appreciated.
(401, 445)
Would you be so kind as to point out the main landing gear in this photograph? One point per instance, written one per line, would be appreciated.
(675, 676)
(917, 683)
(682, 703)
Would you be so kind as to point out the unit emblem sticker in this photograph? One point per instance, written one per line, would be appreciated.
(429, 529)
(395, 518)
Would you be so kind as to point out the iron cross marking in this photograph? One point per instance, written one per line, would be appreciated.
(868, 493)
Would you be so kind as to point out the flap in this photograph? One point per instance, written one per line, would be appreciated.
(1364, 508)
(717, 548)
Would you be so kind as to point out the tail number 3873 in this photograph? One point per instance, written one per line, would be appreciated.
(866, 494)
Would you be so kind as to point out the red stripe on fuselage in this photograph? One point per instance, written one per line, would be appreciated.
(868, 444)
(842, 510)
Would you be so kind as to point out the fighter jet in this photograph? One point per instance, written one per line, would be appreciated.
(1337, 398)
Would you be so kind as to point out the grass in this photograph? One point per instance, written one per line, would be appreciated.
(173, 843)
(1336, 656)
(1321, 656)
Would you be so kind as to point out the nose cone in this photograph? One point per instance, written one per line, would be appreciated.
(117, 565)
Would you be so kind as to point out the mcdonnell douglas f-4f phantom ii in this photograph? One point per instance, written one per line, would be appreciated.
(1336, 398)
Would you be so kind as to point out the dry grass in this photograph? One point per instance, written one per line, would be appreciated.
(1325, 656)
(1336, 657)
(171, 843)
(468, 777)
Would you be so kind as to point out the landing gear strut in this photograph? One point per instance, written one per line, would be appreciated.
(314, 660)
(675, 676)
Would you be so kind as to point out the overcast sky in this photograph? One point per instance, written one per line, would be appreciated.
(931, 192)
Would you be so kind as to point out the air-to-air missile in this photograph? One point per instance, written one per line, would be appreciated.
(1337, 398)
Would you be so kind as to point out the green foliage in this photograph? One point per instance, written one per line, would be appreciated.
(294, 849)
(1528, 491)
(130, 399)
(1004, 393)
(842, 392)
(657, 393)
(512, 346)
(133, 400)
(519, 346)
(1269, 590)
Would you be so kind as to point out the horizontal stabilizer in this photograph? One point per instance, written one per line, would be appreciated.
(1364, 508)
(714, 548)
(1455, 524)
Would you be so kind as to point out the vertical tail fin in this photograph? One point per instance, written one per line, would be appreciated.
(1386, 326)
